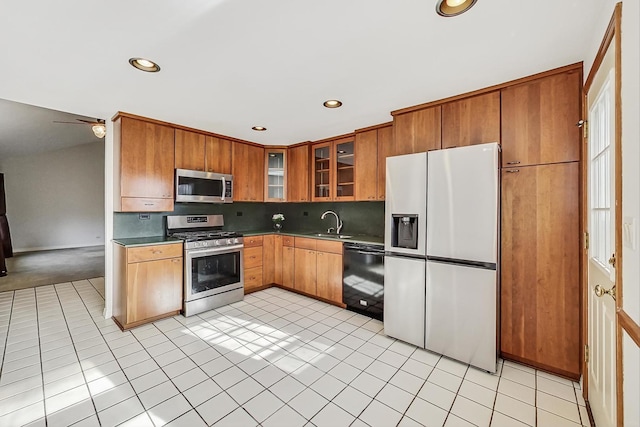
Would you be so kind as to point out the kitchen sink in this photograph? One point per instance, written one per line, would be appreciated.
(333, 236)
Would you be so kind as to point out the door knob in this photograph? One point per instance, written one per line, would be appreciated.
(600, 291)
(612, 260)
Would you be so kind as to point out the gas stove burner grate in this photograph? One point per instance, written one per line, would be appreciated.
(205, 235)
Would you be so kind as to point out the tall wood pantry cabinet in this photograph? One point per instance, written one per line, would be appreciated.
(541, 245)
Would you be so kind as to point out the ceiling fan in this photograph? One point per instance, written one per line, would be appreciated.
(98, 127)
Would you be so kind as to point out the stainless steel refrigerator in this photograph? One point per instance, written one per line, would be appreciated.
(462, 254)
(405, 247)
(441, 252)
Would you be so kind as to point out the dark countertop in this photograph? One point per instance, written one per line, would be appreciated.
(146, 241)
(355, 239)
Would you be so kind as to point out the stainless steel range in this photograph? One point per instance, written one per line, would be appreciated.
(213, 270)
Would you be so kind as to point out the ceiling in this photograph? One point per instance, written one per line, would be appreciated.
(26, 129)
(229, 65)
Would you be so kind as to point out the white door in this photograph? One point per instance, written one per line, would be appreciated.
(601, 367)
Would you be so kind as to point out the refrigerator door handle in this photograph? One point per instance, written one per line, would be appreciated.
(464, 262)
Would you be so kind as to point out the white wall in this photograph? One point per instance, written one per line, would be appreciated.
(630, 183)
(56, 199)
(631, 200)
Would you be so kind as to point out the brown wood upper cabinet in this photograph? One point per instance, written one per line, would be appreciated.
(471, 121)
(144, 166)
(298, 173)
(275, 176)
(333, 170)
(385, 149)
(190, 150)
(366, 151)
(218, 155)
(540, 267)
(372, 147)
(539, 121)
(248, 175)
(200, 152)
(418, 131)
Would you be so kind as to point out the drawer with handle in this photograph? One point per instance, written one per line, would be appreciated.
(134, 204)
(150, 253)
(253, 241)
(252, 257)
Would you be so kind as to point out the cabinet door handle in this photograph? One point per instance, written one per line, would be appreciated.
(149, 204)
(157, 252)
(513, 171)
(513, 163)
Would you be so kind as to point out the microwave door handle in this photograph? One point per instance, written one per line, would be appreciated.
(223, 189)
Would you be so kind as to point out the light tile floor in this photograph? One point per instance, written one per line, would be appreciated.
(275, 359)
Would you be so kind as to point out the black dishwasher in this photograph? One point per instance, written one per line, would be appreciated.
(363, 279)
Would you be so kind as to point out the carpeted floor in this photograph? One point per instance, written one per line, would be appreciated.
(29, 269)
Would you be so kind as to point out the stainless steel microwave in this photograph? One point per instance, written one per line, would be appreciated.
(203, 187)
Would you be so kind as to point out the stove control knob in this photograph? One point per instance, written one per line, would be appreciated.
(236, 240)
(216, 242)
(229, 241)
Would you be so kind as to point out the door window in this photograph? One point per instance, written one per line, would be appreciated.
(601, 197)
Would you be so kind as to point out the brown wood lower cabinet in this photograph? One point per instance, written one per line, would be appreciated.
(305, 270)
(309, 266)
(329, 276)
(540, 274)
(288, 262)
(253, 263)
(148, 283)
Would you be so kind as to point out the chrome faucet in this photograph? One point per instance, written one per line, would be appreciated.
(338, 221)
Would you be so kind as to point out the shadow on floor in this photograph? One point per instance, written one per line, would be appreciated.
(29, 269)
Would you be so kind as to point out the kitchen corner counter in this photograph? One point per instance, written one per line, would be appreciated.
(309, 234)
(145, 241)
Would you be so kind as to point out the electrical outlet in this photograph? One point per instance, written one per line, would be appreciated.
(144, 216)
(238, 213)
(630, 232)
(305, 213)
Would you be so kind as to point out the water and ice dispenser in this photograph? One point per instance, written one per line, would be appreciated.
(404, 231)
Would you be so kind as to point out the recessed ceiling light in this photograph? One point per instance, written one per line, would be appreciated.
(144, 65)
(332, 103)
(448, 8)
(259, 128)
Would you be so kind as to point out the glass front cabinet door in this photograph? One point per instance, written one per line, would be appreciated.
(321, 190)
(275, 169)
(333, 170)
(344, 183)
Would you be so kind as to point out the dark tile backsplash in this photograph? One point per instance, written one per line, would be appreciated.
(358, 217)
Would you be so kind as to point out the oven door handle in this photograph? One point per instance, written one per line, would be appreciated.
(213, 251)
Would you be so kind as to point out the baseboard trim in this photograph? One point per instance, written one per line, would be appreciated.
(53, 248)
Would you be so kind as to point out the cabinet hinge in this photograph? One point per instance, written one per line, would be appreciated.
(586, 353)
(586, 240)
